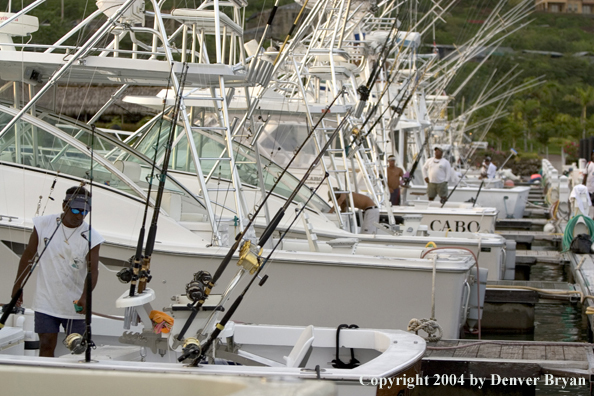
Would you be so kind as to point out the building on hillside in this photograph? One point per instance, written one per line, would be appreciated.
(566, 6)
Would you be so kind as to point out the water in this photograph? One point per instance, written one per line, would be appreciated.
(558, 322)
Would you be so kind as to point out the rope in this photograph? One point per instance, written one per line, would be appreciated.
(429, 326)
(477, 275)
(568, 234)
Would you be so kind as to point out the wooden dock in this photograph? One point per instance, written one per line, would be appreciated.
(531, 236)
(522, 224)
(540, 256)
(510, 358)
(544, 291)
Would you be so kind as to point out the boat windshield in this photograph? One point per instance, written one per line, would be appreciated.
(209, 146)
(33, 143)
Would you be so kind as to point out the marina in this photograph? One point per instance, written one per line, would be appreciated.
(297, 217)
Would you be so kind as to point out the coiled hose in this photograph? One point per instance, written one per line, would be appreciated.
(568, 234)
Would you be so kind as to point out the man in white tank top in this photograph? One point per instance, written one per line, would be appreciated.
(62, 268)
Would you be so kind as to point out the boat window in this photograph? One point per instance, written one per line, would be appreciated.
(133, 166)
(27, 144)
(209, 146)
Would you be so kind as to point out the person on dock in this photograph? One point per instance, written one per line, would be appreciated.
(394, 177)
(436, 172)
(364, 203)
(589, 176)
(60, 296)
(488, 169)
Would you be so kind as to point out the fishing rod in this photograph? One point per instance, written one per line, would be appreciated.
(8, 309)
(144, 273)
(413, 169)
(131, 275)
(89, 278)
(365, 90)
(399, 109)
(297, 18)
(193, 348)
(456, 186)
(210, 281)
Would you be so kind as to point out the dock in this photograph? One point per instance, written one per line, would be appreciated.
(510, 359)
(540, 256)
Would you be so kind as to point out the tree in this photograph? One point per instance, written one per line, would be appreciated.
(584, 98)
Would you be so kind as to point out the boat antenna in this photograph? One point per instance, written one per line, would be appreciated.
(131, 274)
(267, 232)
(194, 350)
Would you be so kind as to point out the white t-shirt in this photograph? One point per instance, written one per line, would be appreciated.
(491, 171)
(437, 170)
(62, 268)
(590, 179)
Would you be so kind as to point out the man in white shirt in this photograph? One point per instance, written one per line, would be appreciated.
(436, 172)
(489, 169)
(60, 294)
(589, 176)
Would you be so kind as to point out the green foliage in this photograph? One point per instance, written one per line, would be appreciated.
(552, 115)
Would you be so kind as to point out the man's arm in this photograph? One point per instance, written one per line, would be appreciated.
(24, 263)
(93, 256)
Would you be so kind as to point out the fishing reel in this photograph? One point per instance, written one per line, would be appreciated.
(126, 274)
(191, 349)
(196, 289)
(249, 257)
(75, 343)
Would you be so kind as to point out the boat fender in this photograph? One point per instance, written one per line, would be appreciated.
(337, 363)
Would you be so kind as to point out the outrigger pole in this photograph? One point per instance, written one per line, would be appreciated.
(195, 350)
(265, 235)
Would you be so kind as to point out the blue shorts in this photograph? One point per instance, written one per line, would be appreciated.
(50, 324)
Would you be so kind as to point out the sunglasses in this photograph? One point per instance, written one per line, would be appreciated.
(78, 211)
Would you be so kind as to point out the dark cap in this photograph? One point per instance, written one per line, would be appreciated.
(78, 201)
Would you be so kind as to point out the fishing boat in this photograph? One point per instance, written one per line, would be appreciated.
(186, 245)
(194, 231)
(248, 359)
